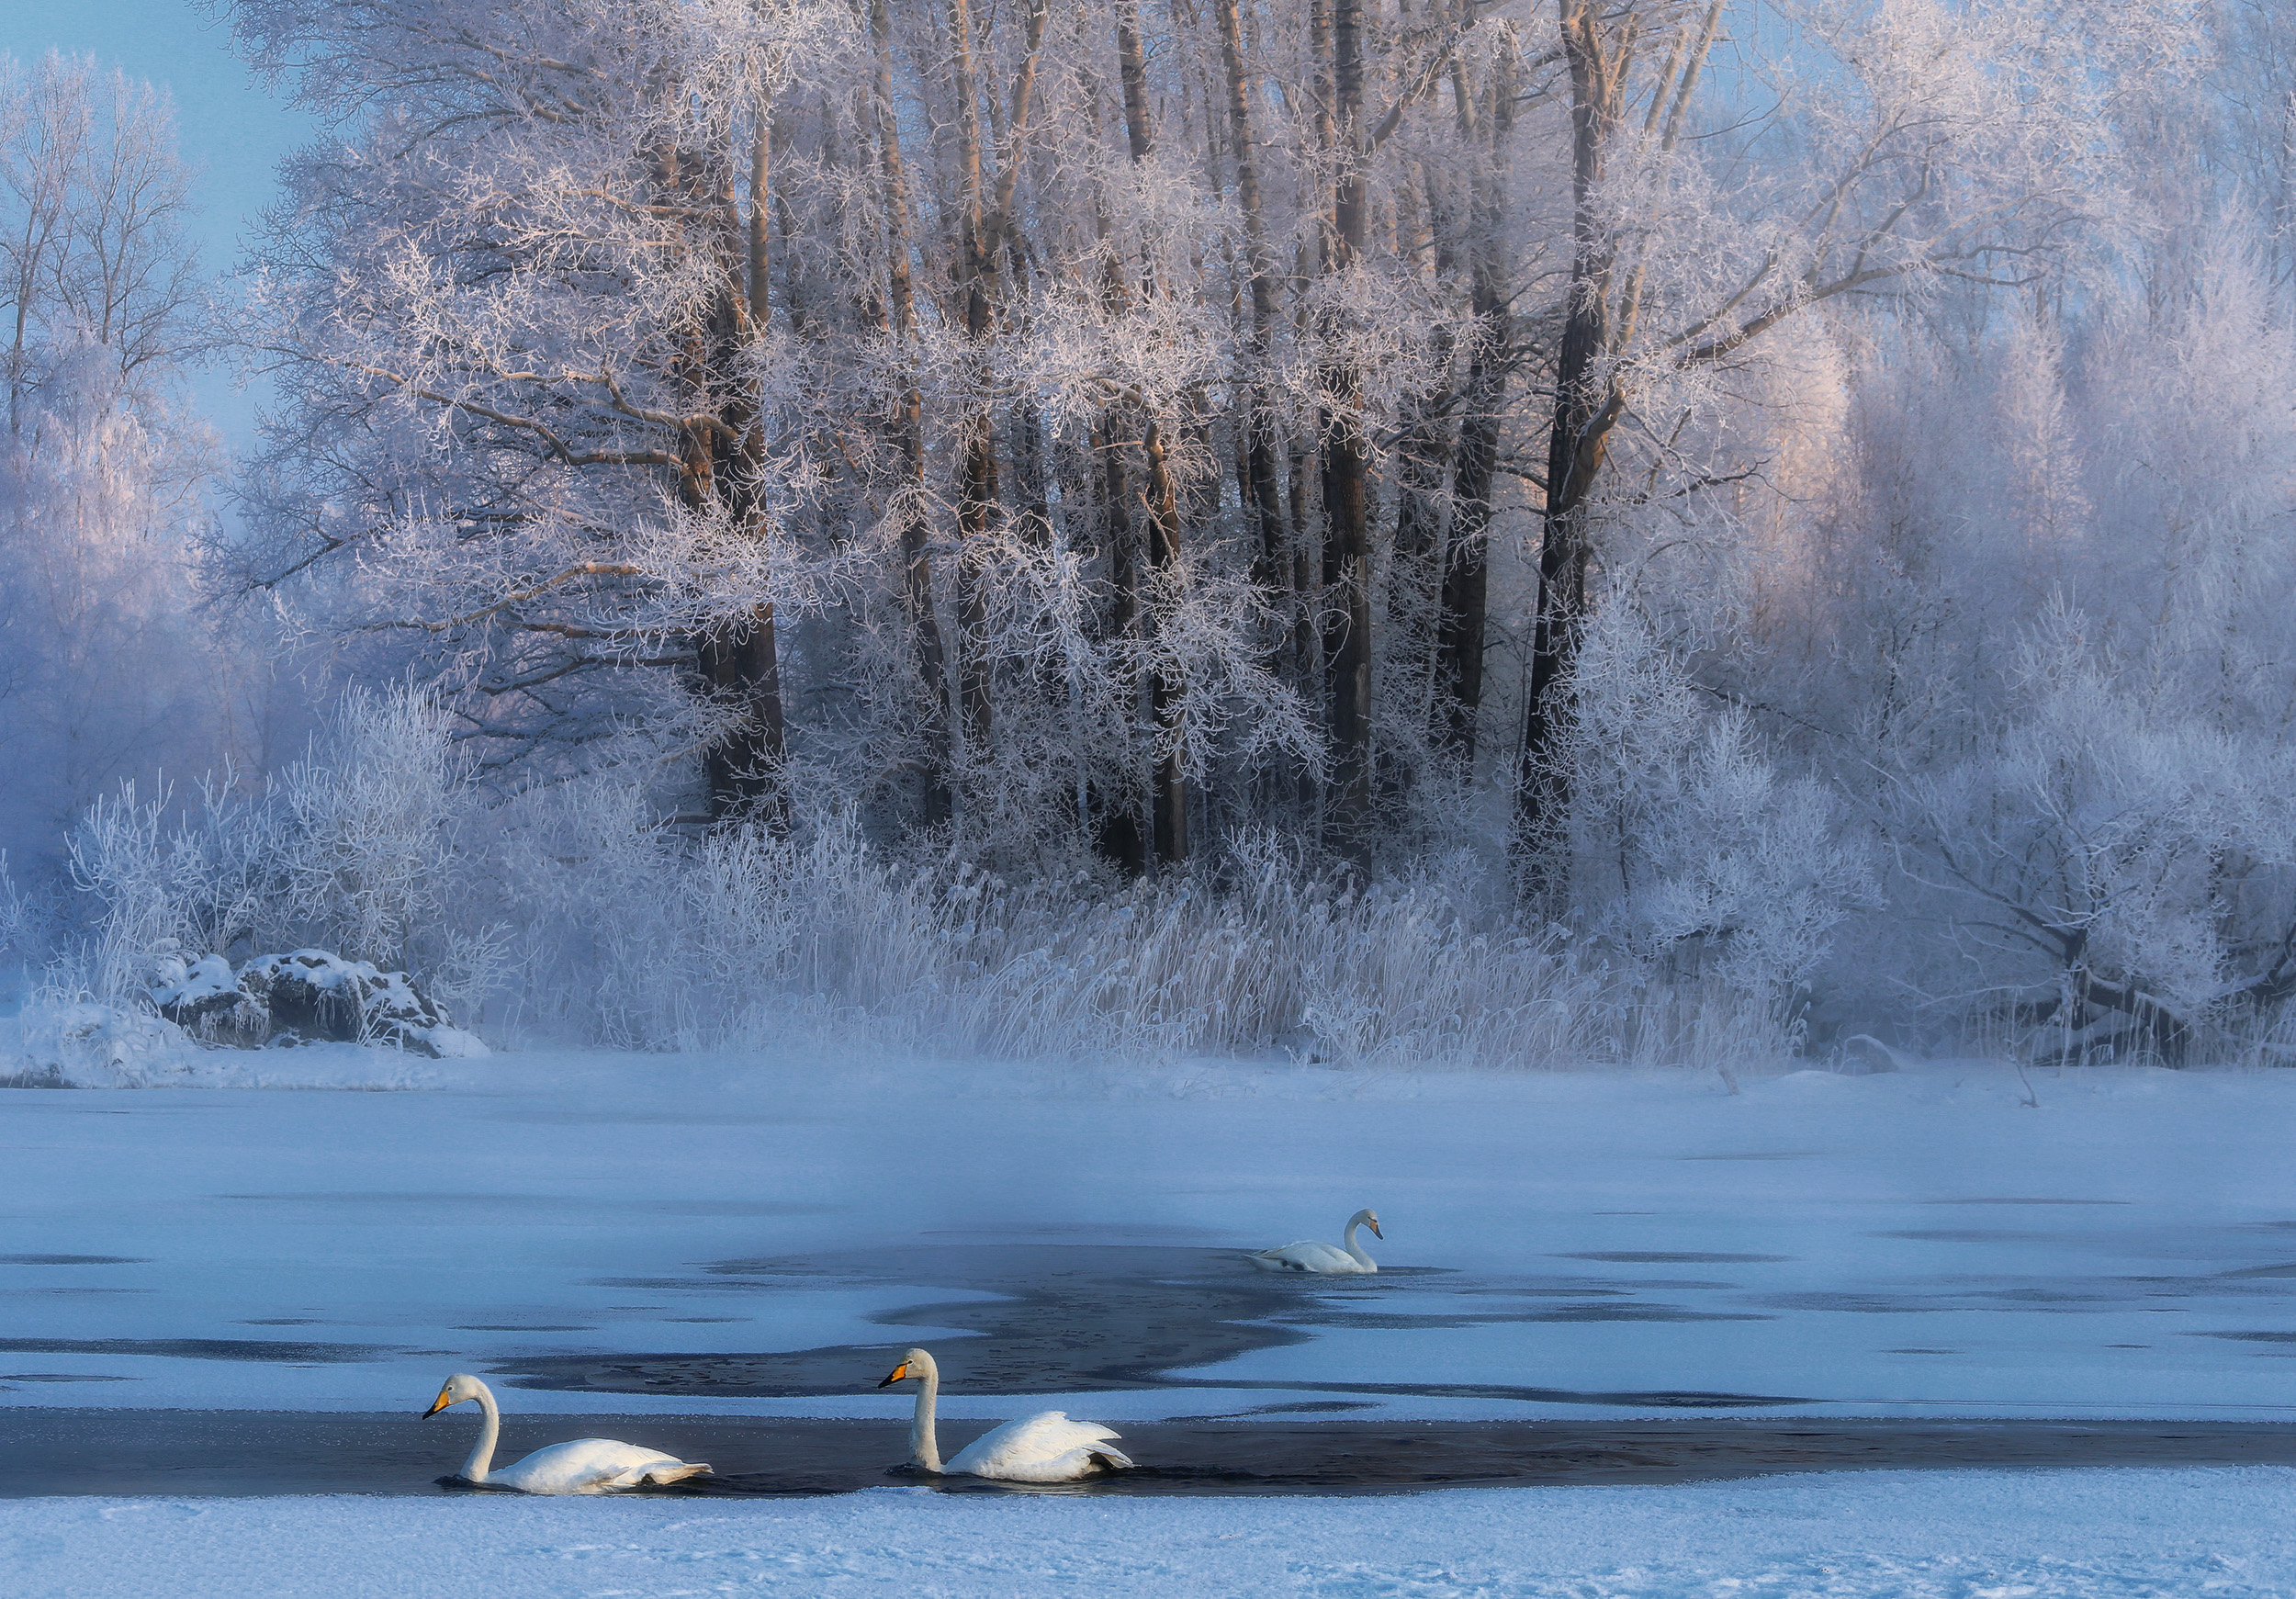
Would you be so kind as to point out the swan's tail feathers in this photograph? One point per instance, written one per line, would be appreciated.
(1102, 1452)
(670, 1472)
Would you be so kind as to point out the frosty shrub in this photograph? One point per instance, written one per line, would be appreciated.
(1712, 862)
(579, 912)
(751, 937)
(354, 847)
(124, 854)
(2125, 872)
(1278, 955)
(366, 832)
(28, 929)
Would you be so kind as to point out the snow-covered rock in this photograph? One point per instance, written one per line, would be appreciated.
(306, 996)
(205, 1000)
(82, 1043)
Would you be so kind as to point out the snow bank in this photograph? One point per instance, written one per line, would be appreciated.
(308, 1018)
(2101, 1534)
(82, 1045)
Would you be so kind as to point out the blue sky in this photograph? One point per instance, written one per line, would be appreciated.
(232, 128)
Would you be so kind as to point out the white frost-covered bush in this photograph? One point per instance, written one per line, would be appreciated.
(580, 911)
(1709, 857)
(352, 849)
(2111, 856)
(366, 832)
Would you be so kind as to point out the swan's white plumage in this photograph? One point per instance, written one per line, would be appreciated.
(1307, 1256)
(1044, 1447)
(593, 1466)
(583, 1466)
(1310, 1255)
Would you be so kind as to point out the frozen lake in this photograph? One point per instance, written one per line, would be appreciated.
(617, 1235)
(222, 1310)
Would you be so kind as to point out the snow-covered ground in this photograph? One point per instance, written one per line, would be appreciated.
(2094, 1535)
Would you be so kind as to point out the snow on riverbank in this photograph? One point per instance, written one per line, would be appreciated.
(80, 1045)
(2096, 1534)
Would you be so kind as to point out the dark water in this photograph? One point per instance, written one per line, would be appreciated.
(1094, 1318)
(244, 1453)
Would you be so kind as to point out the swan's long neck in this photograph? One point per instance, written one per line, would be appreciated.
(924, 1445)
(1354, 1248)
(481, 1459)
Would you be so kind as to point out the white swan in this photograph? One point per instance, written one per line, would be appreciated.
(584, 1465)
(1309, 1256)
(1046, 1447)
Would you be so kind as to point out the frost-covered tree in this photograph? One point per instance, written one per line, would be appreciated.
(539, 435)
(1891, 147)
(980, 411)
(106, 668)
(1671, 437)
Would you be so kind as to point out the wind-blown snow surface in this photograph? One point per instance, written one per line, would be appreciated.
(2098, 1535)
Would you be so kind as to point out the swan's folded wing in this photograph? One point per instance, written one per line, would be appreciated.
(1064, 1468)
(1046, 1447)
(590, 1466)
(1305, 1256)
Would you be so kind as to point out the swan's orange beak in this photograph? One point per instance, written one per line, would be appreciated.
(1374, 1225)
(898, 1373)
(437, 1405)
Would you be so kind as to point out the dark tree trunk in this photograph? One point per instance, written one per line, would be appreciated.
(722, 469)
(1118, 829)
(1459, 627)
(1459, 630)
(1586, 410)
(1118, 832)
(1423, 458)
(1168, 796)
(744, 675)
(909, 497)
(1168, 788)
(1257, 481)
(978, 490)
(1347, 504)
